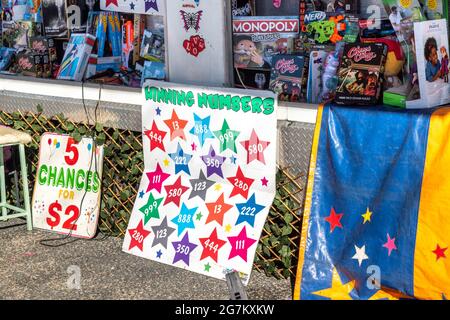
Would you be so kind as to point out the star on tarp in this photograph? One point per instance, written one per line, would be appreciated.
(390, 244)
(183, 249)
(240, 245)
(200, 186)
(338, 290)
(151, 208)
(162, 233)
(137, 236)
(248, 211)
(334, 220)
(156, 179)
(439, 252)
(227, 137)
(211, 245)
(181, 160)
(360, 254)
(367, 216)
(151, 4)
(213, 163)
(255, 148)
(185, 219)
(201, 129)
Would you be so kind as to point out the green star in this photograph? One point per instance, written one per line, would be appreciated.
(227, 137)
(207, 267)
(199, 216)
(151, 209)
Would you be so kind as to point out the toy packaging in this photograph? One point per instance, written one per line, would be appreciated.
(6, 57)
(76, 57)
(435, 9)
(255, 41)
(55, 19)
(360, 73)
(152, 46)
(315, 73)
(286, 77)
(433, 62)
(242, 7)
(77, 14)
(153, 70)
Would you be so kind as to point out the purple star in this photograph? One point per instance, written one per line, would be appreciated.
(213, 163)
(159, 254)
(183, 249)
(151, 4)
(131, 6)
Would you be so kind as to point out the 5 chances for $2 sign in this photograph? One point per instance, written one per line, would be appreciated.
(66, 196)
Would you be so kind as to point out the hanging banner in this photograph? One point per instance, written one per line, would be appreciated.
(376, 222)
(209, 179)
(153, 7)
(66, 196)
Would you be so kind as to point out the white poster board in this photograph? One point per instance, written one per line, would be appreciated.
(196, 43)
(209, 177)
(152, 7)
(66, 197)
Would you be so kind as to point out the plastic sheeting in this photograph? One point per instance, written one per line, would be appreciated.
(376, 219)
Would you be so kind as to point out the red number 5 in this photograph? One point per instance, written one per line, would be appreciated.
(71, 148)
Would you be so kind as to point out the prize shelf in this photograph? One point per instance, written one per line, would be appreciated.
(297, 112)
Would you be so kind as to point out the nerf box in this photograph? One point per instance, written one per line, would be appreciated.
(74, 63)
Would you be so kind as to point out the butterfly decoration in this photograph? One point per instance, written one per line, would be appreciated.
(191, 20)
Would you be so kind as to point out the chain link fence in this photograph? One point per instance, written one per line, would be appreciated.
(277, 250)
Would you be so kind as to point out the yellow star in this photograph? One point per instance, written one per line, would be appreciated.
(367, 216)
(382, 295)
(338, 290)
(228, 228)
(218, 187)
(166, 162)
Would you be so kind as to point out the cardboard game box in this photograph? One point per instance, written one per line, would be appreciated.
(360, 73)
(286, 77)
(256, 40)
(73, 65)
(54, 16)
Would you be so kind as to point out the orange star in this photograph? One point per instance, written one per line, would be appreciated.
(334, 220)
(217, 210)
(176, 126)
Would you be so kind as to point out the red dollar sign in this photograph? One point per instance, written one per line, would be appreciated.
(53, 210)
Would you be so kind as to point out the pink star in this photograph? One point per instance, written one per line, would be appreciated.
(194, 146)
(264, 182)
(156, 179)
(390, 244)
(255, 148)
(240, 245)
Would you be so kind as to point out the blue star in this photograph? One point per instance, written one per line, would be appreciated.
(159, 254)
(158, 111)
(181, 160)
(248, 211)
(201, 129)
(141, 194)
(185, 219)
(131, 6)
(233, 159)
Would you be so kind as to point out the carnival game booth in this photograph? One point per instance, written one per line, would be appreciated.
(92, 74)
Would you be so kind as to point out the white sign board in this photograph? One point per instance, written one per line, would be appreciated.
(209, 177)
(153, 7)
(67, 190)
(196, 43)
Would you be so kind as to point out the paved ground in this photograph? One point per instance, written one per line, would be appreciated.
(29, 270)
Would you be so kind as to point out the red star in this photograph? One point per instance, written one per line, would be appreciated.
(211, 246)
(255, 148)
(241, 184)
(138, 236)
(114, 2)
(439, 252)
(176, 126)
(156, 137)
(334, 220)
(217, 210)
(156, 179)
(174, 192)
